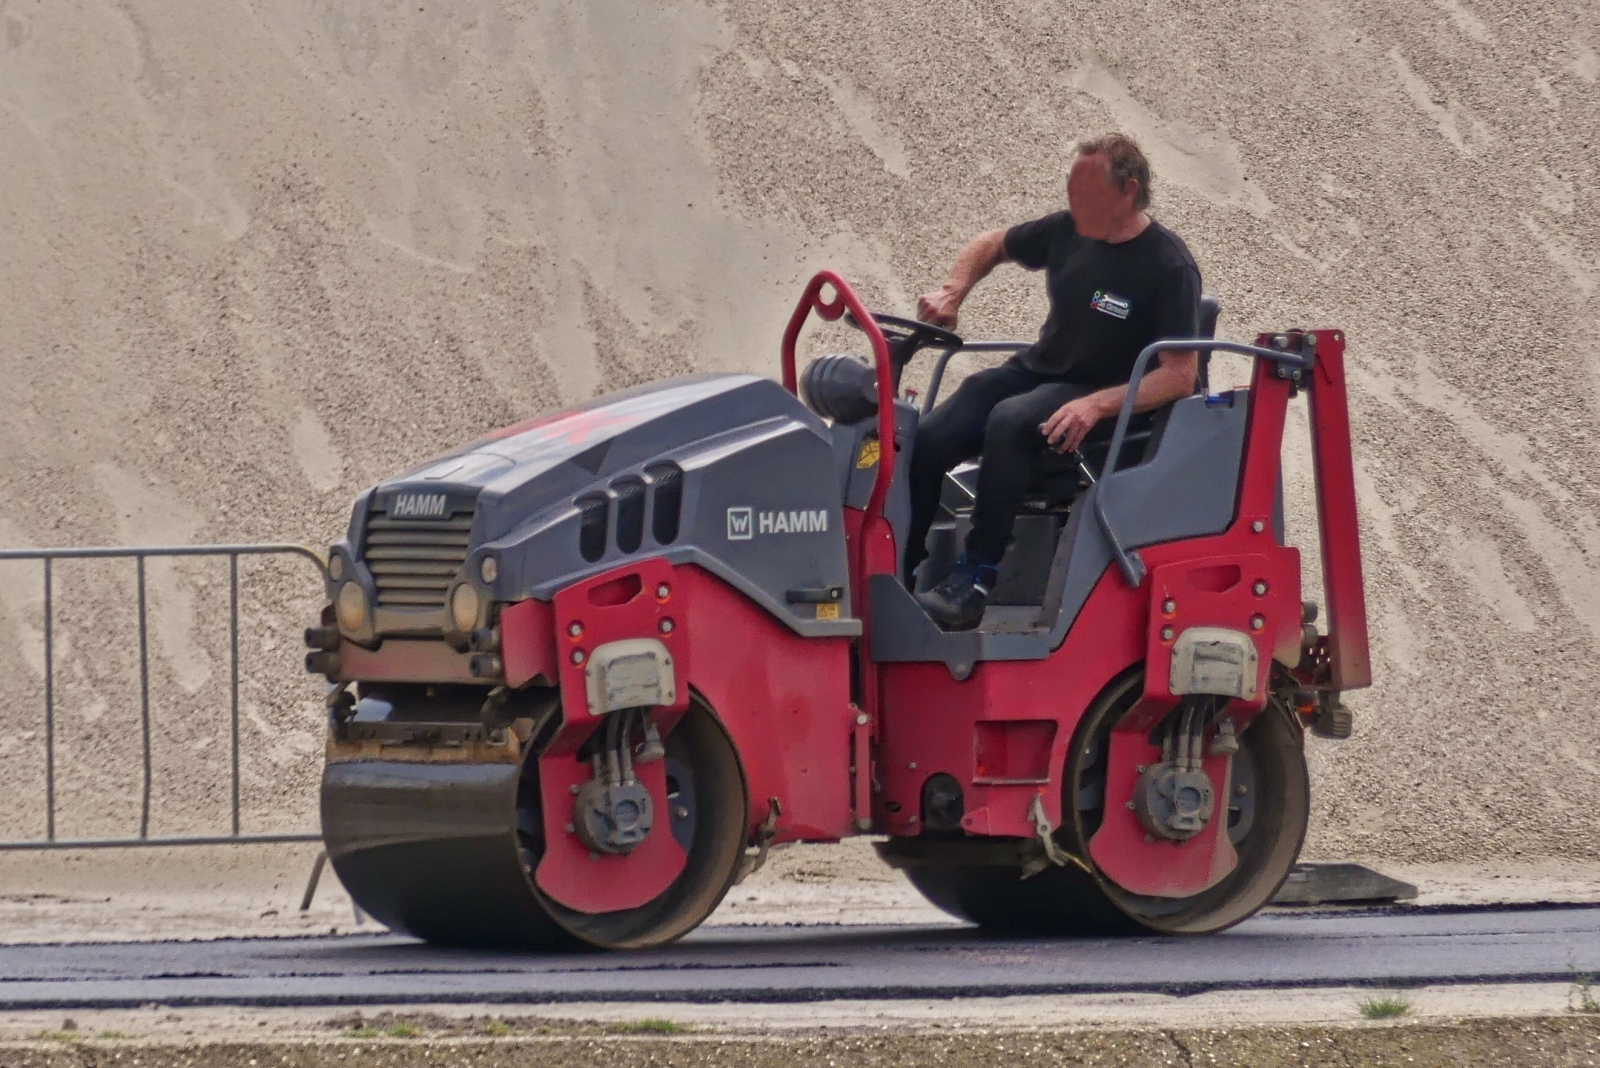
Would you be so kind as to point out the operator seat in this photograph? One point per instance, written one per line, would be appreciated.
(1057, 481)
(1057, 477)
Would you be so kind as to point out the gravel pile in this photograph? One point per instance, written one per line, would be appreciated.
(256, 256)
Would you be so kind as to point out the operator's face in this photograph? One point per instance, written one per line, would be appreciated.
(1099, 208)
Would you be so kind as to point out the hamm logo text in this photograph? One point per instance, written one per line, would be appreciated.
(745, 523)
(417, 506)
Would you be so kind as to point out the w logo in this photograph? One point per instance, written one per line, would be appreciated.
(740, 525)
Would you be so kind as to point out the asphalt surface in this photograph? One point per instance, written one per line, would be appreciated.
(1393, 948)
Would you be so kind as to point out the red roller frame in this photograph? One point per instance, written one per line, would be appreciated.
(1349, 654)
(871, 540)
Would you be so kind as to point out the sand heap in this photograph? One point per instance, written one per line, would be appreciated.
(255, 256)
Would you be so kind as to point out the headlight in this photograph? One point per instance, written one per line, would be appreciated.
(464, 605)
(489, 569)
(352, 607)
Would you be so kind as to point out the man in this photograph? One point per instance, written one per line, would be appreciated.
(1117, 281)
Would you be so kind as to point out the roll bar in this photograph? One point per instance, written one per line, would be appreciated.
(845, 299)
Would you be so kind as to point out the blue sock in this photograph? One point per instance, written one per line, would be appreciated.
(982, 574)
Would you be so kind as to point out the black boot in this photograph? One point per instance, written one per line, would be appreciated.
(957, 602)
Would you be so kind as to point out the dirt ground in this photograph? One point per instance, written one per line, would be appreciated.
(496, 1040)
(255, 256)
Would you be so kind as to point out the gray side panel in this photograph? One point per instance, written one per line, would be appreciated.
(778, 467)
(858, 480)
(1187, 490)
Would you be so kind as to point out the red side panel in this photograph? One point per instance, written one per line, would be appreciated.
(1243, 581)
(633, 601)
(1220, 591)
(527, 642)
(934, 723)
(784, 699)
(640, 600)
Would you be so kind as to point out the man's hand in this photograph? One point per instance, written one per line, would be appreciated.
(980, 256)
(940, 307)
(1066, 429)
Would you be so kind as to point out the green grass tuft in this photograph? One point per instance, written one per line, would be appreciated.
(496, 1028)
(1582, 993)
(404, 1030)
(653, 1025)
(60, 1036)
(1385, 1007)
(362, 1032)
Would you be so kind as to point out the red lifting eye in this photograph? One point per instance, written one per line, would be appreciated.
(1218, 578)
(619, 590)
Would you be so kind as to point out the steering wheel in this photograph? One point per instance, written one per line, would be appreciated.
(909, 335)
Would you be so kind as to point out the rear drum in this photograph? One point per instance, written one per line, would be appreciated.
(1266, 822)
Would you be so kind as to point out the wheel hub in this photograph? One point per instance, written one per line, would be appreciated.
(1172, 802)
(613, 819)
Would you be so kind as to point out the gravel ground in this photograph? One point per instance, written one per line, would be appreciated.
(258, 255)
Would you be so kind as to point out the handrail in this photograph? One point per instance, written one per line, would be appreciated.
(1133, 567)
(91, 552)
(845, 299)
(937, 378)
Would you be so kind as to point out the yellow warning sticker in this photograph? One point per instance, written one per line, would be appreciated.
(827, 611)
(869, 454)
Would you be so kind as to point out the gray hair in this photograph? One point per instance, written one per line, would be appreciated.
(1126, 160)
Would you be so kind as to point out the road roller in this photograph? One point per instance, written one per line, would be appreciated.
(586, 672)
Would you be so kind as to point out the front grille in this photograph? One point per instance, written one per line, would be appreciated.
(630, 513)
(592, 523)
(413, 561)
(667, 510)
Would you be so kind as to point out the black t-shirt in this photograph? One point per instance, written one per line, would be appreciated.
(1107, 302)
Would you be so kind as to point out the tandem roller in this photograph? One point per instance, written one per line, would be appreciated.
(586, 671)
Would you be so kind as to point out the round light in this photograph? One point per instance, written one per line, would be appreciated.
(335, 567)
(464, 605)
(352, 607)
(489, 569)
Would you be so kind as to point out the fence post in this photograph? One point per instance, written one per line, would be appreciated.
(49, 709)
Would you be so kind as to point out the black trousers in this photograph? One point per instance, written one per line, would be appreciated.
(995, 412)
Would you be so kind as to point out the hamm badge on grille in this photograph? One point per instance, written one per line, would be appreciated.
(418, 506)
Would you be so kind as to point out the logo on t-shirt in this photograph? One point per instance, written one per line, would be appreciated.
(1110, 304)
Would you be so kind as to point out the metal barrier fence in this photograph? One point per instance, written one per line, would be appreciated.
(139, 555)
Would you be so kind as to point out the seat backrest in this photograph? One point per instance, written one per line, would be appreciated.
(1210, 308)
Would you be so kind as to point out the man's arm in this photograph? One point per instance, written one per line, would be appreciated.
(983, 254)
(1172, 379)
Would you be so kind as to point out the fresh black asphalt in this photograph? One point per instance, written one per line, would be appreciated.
(1394, 947)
